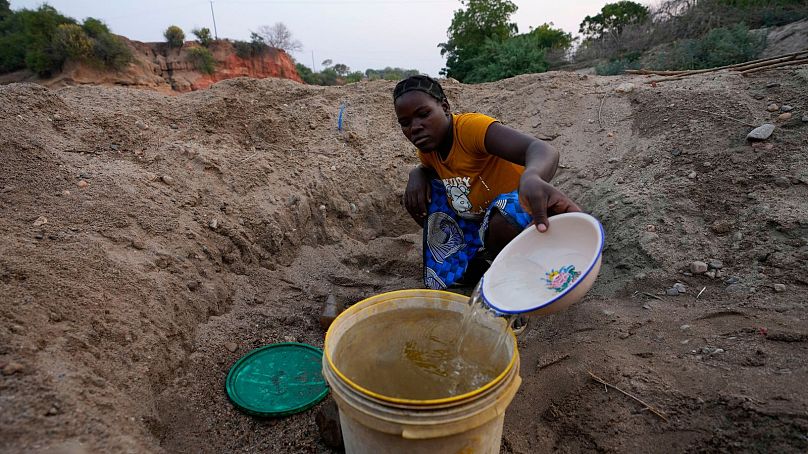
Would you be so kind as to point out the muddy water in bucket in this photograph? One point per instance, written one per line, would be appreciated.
(424, 353)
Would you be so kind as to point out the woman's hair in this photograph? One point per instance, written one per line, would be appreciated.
(425, 84)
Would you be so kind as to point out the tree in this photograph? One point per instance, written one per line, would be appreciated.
(342, 69)
(501, 59)
(5, 10)
(203, 36)
(174, 35)
(612, 19)
(279, 36)
(480, 22)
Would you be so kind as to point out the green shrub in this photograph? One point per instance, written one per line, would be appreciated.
(112, 51)
(203, 36)
(174, 35)
(719, 47)
(94, 27)
(202, 59)
(70, 41)
(502, 59)
(616, 66)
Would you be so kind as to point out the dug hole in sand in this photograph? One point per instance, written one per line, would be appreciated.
(148, 241)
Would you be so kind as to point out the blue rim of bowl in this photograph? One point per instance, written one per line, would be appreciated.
(591, 265)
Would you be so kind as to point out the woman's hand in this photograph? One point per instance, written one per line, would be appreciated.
(542, 200)
(418, 194)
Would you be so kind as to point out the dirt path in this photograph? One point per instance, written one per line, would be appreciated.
(215, 222)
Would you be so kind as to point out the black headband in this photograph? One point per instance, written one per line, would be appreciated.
(425, 84)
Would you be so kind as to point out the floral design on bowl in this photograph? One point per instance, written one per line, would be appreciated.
(561, 279)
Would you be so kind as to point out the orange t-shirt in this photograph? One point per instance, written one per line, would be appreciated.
(473, 177)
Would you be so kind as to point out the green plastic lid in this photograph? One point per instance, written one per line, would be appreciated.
(277, 380)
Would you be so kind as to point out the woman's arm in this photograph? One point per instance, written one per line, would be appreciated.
(540, 159)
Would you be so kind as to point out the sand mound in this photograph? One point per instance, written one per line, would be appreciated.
(148, 241)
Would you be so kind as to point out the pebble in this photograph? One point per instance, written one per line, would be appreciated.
(613, 160)
(735, 288)
(82, 184)
(192, 285)
(732, 280)
(773, 107)
(42, 220)
(784, 116)
(711, 350)
(646, 306)
(772, 85)
(142, 125)
(721, 226)
(624, 335)
(52, 411)
(782, 182)
(114, 147)
(715, 264)
(684, 327)
(231, 346)
(610, 134)
(758, 96)
(173, 126)
(333, 168)
(167, 180)
(12, 368)
(762, 132)
(698, 267)
(779, 288)
(672, 292)
(676, 152)
(692, 175)
(805, 118)
(627, 87)
(353, 207)
(710, 274)
(786, 108)
(681, 288)
(650, 228)
(65, 193)
(322, 207)
(213, 224)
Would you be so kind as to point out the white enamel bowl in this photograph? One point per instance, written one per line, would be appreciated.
(541, 273)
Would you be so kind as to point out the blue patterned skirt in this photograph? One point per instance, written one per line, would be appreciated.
(450, 241)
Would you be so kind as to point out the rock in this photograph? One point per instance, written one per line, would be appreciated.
(732, 280)
(692, 174)
(782, 182)
(173, 126)
(759, 96)
(65, 193)
(626, 87)
(710, 274)
(715, 264)
(784, 116)
(328, 424)
(773, 107)
(231, 346)
(167, 180)
(805, 118)
(709, 351)
(646, 306)
(114, 147)
(772, 85)
(762, 132)
(613, 160)
(736, 288)
(676, 152)
(52, 411)
(353, 207)
(13, 368)
(680, 287)
(192, 285)
(698, 267)
(779, 288)
(610, 134)
(786, 108)
(333, 168)
(82, 184)
(42, 220)
(721, 226)
(213, 224)
(672, 292)
(141, 125)
(684, 327)
(322, 207)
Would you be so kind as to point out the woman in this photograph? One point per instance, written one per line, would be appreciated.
(479, 183)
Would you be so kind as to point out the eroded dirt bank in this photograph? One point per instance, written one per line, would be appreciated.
(148, 241)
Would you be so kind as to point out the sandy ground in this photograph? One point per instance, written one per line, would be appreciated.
(148, 241)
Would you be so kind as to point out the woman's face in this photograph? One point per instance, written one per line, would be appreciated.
(424, 120)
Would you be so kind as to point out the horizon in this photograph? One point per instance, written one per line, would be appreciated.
(356, 33)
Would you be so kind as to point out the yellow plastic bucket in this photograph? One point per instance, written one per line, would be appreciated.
(375, 423)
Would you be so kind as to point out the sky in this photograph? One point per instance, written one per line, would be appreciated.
(359, 33)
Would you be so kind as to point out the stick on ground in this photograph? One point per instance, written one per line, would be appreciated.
(649, 407)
